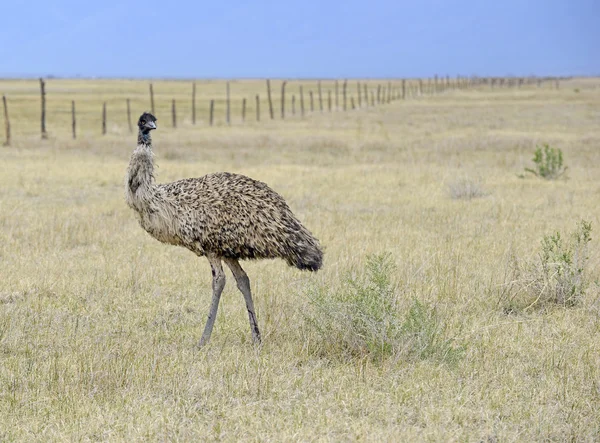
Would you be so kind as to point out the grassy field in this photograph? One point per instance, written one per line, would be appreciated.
(99, 322)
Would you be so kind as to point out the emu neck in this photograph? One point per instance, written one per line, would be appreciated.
(144, 138)
(140, 174)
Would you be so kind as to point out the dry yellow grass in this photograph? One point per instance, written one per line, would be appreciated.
(98, 322)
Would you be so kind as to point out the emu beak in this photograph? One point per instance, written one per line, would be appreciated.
(151, 125)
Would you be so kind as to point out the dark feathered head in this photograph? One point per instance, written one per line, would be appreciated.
(147, 122)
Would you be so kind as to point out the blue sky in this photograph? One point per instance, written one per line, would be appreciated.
(376, 38)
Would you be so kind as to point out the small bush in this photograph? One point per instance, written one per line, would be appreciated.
(548, 163)
(362, 318)
(466, 189)
(558, 276)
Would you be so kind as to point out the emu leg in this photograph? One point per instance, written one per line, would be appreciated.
(218, 284)
(243, 284)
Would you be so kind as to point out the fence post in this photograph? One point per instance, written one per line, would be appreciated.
(6, 122)
(403, 89)
(320, 96)
(211, 112)
(269, 98)
(73, 122)
(129, 116)
(344, 92)
(283, 100)
(244, 109)
(389, 92)
(174, 114)
(337, 100)
(329, 99)
(383, 91)
(293, 104)
(378, 94)
(228, 109)
(366, 95)
(43, 93)
(352, 103)
(104, 118)
(194, 103)
(312, 102)
(152, 98)
(257, 108)
(358, 93)
(301, 101)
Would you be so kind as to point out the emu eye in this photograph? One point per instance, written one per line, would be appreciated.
(143, 122)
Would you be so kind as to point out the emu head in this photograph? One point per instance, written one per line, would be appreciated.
(147, 122)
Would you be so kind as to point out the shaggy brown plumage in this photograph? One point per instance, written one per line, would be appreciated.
(223, 216)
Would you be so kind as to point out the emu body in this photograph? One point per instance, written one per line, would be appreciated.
(222, 216)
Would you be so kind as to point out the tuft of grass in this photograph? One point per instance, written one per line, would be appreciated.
(362, 318)
(466, 189)
(556, 277)
(548, 163)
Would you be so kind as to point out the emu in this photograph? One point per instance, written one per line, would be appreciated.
(222, 216)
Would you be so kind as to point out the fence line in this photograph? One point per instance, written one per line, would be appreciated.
(367, 94)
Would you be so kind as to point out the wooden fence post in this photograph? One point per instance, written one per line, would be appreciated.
(283, 100)
(269, 99)
(211, 112)
(312, 102)
(257, 108)
(378, 94)
(337, 101)
(389, 92)
(366, 95)
(329, 99)
(73, 122)
(301, 101)
(403, 89)
(293, 104)
(194, 103)
(344, 92)
(320, 96)
(358, 93)
(383, 91)
(129, 116)
(43, 93)
(174, 114)
(244, 109)
(152, 98)
(228, 109)
(104, 118)
(352, 103)
(6, 122)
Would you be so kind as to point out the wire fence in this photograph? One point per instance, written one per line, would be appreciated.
(90, 108)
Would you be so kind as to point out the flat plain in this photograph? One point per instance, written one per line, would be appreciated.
(99, 322)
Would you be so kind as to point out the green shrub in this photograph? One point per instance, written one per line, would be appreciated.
(548, 163)
(557, 276)
(361, 318)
